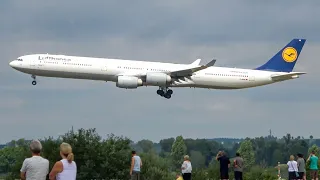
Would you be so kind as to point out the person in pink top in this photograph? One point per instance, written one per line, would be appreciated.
(66, 168)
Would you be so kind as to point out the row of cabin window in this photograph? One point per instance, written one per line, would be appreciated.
(227, 75)
(141, 68)
(68, 63)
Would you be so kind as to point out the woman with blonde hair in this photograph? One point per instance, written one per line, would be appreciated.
(186, 168)
(66, 168)
(293, 169)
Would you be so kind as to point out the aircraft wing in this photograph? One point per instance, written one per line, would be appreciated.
(189, 71)
(179, 73)
(282, 77)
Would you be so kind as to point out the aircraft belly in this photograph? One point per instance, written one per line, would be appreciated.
(219, 83)
(70, 74)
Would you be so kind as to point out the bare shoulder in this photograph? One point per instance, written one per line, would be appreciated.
(58, 164)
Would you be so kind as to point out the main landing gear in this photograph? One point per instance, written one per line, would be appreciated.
(165, 92)
(34, 82)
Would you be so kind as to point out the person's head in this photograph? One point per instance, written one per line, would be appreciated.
(291, 158)
(238, 154)
(66, 152)
(300, 155)
(133, 153)
(178, 175)
(35, 147)
(220, 153)
(313, 153)
(186, 158)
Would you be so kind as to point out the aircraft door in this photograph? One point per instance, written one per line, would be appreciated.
(33, 63)
(251, 78)
(104, 68)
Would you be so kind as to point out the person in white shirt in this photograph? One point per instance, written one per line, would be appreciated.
(35, 167)
(293, 168)
(186, 168)
(65, 169)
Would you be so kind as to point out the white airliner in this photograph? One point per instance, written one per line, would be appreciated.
(132, 74)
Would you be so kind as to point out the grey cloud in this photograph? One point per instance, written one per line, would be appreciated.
(205, 22)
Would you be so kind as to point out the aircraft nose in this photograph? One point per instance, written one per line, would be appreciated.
(13, 64)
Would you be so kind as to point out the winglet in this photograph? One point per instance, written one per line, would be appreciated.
(211, 63)
(196, 62)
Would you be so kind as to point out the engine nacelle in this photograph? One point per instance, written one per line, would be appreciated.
(157, 79)
(128, 82)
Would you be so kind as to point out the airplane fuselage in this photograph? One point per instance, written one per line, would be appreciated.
(75, 67)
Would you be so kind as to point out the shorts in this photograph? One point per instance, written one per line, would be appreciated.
(301, 174)
(224, 175)
(238, 175)
(135, 175)
(292, 175)
(313, 174)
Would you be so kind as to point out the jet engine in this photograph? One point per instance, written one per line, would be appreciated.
(128, 82)
(157, 79)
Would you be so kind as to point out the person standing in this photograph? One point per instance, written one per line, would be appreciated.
(35, 167)
(313, 165)
(186, 168)
(65, 169)
(292, 168)
(224, 165)
(238, 167)
(136, 165)
(301, 167)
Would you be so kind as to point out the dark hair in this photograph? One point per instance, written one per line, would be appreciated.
(299, 155)
(237, 154)
(133, 152)
(312, 152)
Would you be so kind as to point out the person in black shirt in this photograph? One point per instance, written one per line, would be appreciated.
(224, 165)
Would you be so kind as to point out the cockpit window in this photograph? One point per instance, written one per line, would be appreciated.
(19, 59)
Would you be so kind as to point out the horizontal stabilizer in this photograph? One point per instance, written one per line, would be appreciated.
(283, 77)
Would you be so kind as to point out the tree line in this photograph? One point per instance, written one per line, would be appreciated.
(109, 158)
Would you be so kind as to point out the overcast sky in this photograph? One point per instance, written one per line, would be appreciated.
(238, 34)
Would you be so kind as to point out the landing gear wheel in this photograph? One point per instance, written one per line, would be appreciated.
(160, 92)
(164, 92)
(34, 82)
(167, 95)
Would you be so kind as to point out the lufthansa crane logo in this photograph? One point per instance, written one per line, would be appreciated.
(289, 54)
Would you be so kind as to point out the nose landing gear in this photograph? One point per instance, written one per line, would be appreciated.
(34, 82)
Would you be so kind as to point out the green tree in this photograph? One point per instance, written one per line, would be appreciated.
(146, 145)
(247, 153)
(197, 159)
(11, 159)
(97, 158)
(154, 167)
(166, 144)
(314, 148)
(179, 149)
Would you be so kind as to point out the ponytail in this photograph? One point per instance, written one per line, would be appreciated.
(70, 157)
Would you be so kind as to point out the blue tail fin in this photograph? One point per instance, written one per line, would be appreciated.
(286, 58)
